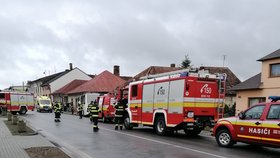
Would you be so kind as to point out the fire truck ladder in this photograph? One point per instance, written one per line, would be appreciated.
(184, 72)
(222, 85)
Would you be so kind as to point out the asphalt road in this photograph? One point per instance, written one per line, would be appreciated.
(76, 138)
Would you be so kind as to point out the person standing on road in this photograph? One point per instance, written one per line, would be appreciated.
(57, 112)
(119, 115)
(72, 108)
(94, 110)
(88, 110)
(80, 109)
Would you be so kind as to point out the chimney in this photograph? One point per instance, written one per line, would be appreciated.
(116, 70)
(71, 66)
(172, 65)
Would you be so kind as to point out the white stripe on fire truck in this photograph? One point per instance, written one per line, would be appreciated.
(188, 99)
(212, 100)
(135, 101)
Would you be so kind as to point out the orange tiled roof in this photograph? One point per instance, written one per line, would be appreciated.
(105, 82)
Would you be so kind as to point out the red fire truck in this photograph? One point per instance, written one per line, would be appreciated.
(106, 106)
(184, 99)
(17, 102)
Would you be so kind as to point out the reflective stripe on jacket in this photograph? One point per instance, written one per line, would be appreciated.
(94, 111)
(80, 107)
(119, 110)
(56, 108)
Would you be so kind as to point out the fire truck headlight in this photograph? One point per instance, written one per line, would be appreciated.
(190, 114)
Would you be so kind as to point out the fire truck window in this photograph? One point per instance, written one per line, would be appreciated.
(2, 95)
(134, 90)
(255, 112)
(274, 112)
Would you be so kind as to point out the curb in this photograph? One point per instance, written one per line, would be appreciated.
(29, 126)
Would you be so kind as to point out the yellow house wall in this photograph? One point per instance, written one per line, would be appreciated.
(270, 86)
(269, 82)
(242, 101)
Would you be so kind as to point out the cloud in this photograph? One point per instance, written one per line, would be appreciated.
(45, 36)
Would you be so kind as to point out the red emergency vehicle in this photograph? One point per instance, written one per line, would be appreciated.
(184, 99)
(17, 102)
(260, 124)
(106, 106)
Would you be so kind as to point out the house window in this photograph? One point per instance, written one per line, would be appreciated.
(275, 70)
(253, 101)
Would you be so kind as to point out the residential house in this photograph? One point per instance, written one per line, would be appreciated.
(46, 85)
(104, 83)
(259, 87)
(152, 70)
(60, 95)
(35, 86)
(22, 88)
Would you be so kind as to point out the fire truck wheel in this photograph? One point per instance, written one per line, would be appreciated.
(127, 123)
(22, 110)
(224, 138)
(160, 126)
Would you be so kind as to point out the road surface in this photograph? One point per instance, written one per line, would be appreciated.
(76, 137)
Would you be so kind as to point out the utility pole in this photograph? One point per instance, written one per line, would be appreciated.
(224, 60)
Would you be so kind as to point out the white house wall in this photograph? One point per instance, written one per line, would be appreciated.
(36, 88)
(75, 74)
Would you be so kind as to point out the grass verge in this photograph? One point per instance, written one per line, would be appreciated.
(14, 129)
(45, 152)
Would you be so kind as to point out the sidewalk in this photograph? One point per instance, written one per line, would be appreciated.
(13, 146)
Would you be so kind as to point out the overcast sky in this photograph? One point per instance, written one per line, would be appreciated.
(39, 36)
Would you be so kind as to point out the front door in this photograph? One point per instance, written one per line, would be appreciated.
(249, 129)
(135, 103)
(271, 126)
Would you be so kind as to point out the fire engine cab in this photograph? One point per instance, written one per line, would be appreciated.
(183, 99)
(260, 124)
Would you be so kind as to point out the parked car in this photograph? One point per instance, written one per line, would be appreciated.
(259, 124)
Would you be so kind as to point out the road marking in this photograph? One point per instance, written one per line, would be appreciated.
(164, 143)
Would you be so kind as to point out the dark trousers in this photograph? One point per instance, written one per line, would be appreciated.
(57, 115)
(81, 114)
(95, 122)
(119, 120)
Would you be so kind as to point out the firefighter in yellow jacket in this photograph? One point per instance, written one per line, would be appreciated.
(119, 115)
(57, 112)
(94, 110)
(80, 109)
(88, 110)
